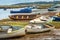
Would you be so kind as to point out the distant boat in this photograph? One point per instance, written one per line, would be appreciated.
(25, 10)
(51, 9)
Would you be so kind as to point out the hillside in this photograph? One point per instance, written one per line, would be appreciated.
(56, 2)
(39, 4)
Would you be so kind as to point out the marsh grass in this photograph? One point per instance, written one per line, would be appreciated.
(56, 24)
(15, 23)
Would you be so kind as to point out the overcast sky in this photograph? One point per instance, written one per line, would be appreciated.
(9, 2)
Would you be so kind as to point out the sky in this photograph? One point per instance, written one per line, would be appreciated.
(9, 2)
(4, 14)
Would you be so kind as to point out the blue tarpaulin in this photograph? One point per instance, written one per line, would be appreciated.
(25, 10)
(56, 18)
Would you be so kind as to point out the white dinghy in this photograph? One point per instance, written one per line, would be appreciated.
(34, 28)
(42, 19)
(7, 31)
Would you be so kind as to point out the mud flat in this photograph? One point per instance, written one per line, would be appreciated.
(39, 36)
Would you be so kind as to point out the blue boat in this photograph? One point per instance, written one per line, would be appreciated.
(56, 18)
(24, 14)
(25, 10)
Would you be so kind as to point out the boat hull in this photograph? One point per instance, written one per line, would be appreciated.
(38, 30)
(20, 32)
(29, 29)
(22, 17)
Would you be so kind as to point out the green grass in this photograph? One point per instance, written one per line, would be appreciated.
(56, 24)
(15, 23)
(24, 23)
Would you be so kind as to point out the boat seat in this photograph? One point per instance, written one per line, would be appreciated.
(16, 28)
(4, 28)
(50, 25)
(0, 29)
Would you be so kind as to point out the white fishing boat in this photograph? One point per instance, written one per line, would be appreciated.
(7, 31)
(42, 19)
(34, 28)
(37, 21)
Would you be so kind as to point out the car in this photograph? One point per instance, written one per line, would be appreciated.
(7, 31)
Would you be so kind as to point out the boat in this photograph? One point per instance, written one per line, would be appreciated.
(44, 18)
(35, 28)
(24, 14)
(56, 17)
(37, 20)
(41, 19)
(25, 10)
(7, 31)
(51, 9)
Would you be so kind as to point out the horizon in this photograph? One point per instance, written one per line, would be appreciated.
(9, 2)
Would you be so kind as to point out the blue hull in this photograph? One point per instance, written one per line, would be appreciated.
(56, 19)
(26, 10)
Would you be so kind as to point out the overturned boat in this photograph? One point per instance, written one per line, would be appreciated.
(34, 28)
(7, 31)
